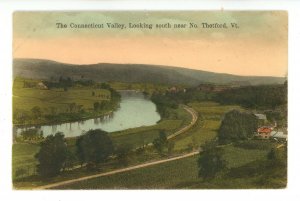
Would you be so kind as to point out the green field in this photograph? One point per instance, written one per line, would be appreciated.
(23, 157)
(54, 101)
(166, 175)
(181, 173)
(210, 116)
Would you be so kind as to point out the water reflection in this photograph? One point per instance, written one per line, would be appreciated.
(135, 110)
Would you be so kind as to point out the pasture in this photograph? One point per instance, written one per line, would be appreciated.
(54, 101)
(205, 129)
(182, 173)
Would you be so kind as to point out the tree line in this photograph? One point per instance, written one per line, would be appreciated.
(257, 97)
(92, 148)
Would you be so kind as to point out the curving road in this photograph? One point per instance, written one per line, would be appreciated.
(194, 119)
(182, 130)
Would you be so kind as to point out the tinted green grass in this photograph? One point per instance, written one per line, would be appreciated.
(205, 129)
(181, 173)
(166, 175)
(55, 101)
(23, 157)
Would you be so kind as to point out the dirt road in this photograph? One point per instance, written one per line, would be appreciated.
(194, 119)
(114, 171)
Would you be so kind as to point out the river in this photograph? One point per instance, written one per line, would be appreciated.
(135, 111)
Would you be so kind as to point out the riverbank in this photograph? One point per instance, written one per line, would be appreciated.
(33, 106)
(79, 118)
(133, 111)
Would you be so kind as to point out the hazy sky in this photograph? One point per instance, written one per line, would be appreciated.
(257, 47)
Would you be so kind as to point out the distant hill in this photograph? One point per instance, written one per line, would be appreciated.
(103, 72)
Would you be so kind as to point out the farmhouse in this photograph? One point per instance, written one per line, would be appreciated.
(264, 132)
(267, 132)
(41, 85)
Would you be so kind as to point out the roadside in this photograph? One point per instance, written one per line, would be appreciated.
(115, 171)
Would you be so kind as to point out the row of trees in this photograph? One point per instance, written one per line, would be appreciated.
(257, 97)
(92, 148)
(67, 82)
(163, 104)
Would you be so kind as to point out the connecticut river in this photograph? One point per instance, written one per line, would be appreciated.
(135, 110)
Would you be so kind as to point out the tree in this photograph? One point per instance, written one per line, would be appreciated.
(236, 126)
(96, 106)
(94, 147)
(31, 134)
(52, 155)
(70, 160)
(161, 142)
(122, 152)
(273, 158)
(210, 162)
(104, 86)
(272, 155)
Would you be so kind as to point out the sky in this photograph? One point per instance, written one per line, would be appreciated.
(258, 47)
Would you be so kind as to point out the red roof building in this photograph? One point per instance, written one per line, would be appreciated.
(264, 132)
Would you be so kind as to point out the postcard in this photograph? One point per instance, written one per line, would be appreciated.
(150, 99)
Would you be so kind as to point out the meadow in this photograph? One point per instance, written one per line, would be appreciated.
(179, 174)
(76, 101)
(206, 128)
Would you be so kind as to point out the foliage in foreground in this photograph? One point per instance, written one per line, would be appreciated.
(52, 155)
(94, 147)
(210, 162)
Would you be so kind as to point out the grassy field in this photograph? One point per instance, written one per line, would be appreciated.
(182, 173)
(166, 175)
(23, 157)
(54, 101)
(210, 115)
(237, 157)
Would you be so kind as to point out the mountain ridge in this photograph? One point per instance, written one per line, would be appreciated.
(159, 74)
